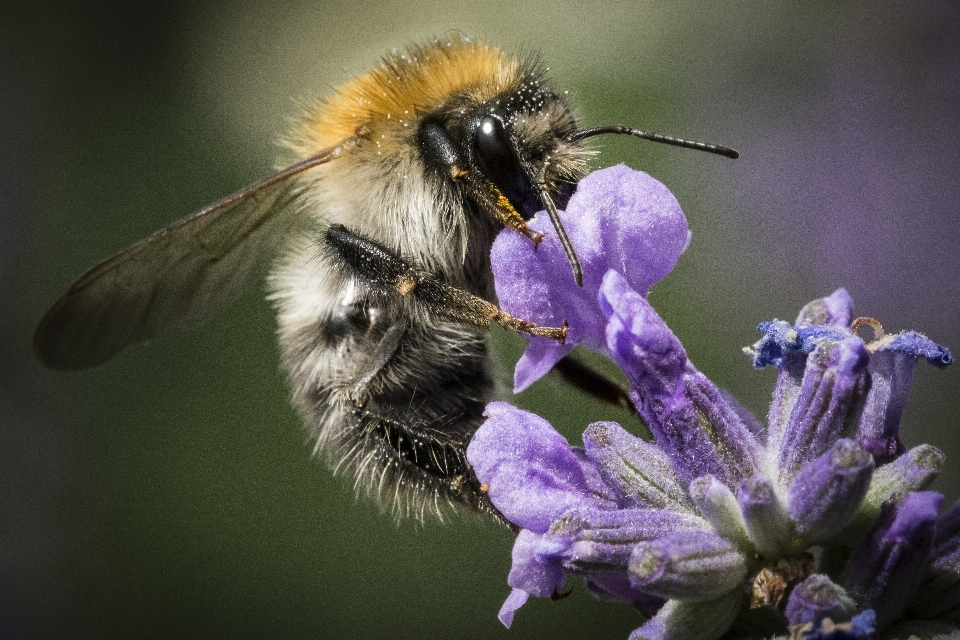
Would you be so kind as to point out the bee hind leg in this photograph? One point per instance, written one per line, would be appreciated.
(387, 273)
(376, 361)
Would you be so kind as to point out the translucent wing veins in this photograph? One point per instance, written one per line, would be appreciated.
(181, 275)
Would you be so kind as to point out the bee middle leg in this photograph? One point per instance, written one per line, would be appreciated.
(385, 272)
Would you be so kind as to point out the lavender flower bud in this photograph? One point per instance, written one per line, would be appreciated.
(938, 596)
(767, 523)
(785, 394)
(601, 541)
(884, 570)
(817, 598)
(639, 472)
(833, 383)
(720, 507)
(913, 471)
(604, 495)
(787, 347)
(697, 565)
(828, 491)
(687, 620)
(892, 377)
(835, 310)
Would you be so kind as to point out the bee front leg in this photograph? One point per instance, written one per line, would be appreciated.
(385, 272)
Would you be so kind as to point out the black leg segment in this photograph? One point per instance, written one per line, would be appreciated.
(386, 273)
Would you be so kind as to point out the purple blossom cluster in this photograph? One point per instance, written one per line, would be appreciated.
(817, 525)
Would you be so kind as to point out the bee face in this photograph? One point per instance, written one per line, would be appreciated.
(504, 147)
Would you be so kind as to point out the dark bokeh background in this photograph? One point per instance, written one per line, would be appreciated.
(171, 493)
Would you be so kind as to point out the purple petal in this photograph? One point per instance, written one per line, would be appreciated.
(917, 345)
(891, 370)
(827, 492)
(816, 598)
(884, 570)
(617, 219)
(835, 310)
(686, 413)
(528, 572)
(516, 599)
(639, 472)
(537, 361)
(834, 384)
(782, 338)
(642, 228)
(641, 343)
(531, 474)
(536, 285)
(696, 565)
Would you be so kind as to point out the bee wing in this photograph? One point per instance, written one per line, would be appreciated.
(179, 276)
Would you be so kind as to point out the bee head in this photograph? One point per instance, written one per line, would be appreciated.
(504, 153)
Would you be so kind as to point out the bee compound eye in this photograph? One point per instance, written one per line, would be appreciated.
(498, 161)
(495, 153)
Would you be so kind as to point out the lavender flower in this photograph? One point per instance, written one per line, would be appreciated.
(821, 520)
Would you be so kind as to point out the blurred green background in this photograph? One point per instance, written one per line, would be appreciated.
(171, 493)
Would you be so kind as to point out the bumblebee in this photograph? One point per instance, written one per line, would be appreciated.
(375, 245)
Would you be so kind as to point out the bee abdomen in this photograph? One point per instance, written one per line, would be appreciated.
(427, 465)
(416, 446)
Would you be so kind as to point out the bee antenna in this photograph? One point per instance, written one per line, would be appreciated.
(562, 234)
(709, 147)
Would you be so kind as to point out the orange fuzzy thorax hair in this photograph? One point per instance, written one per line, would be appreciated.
(390, 98)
